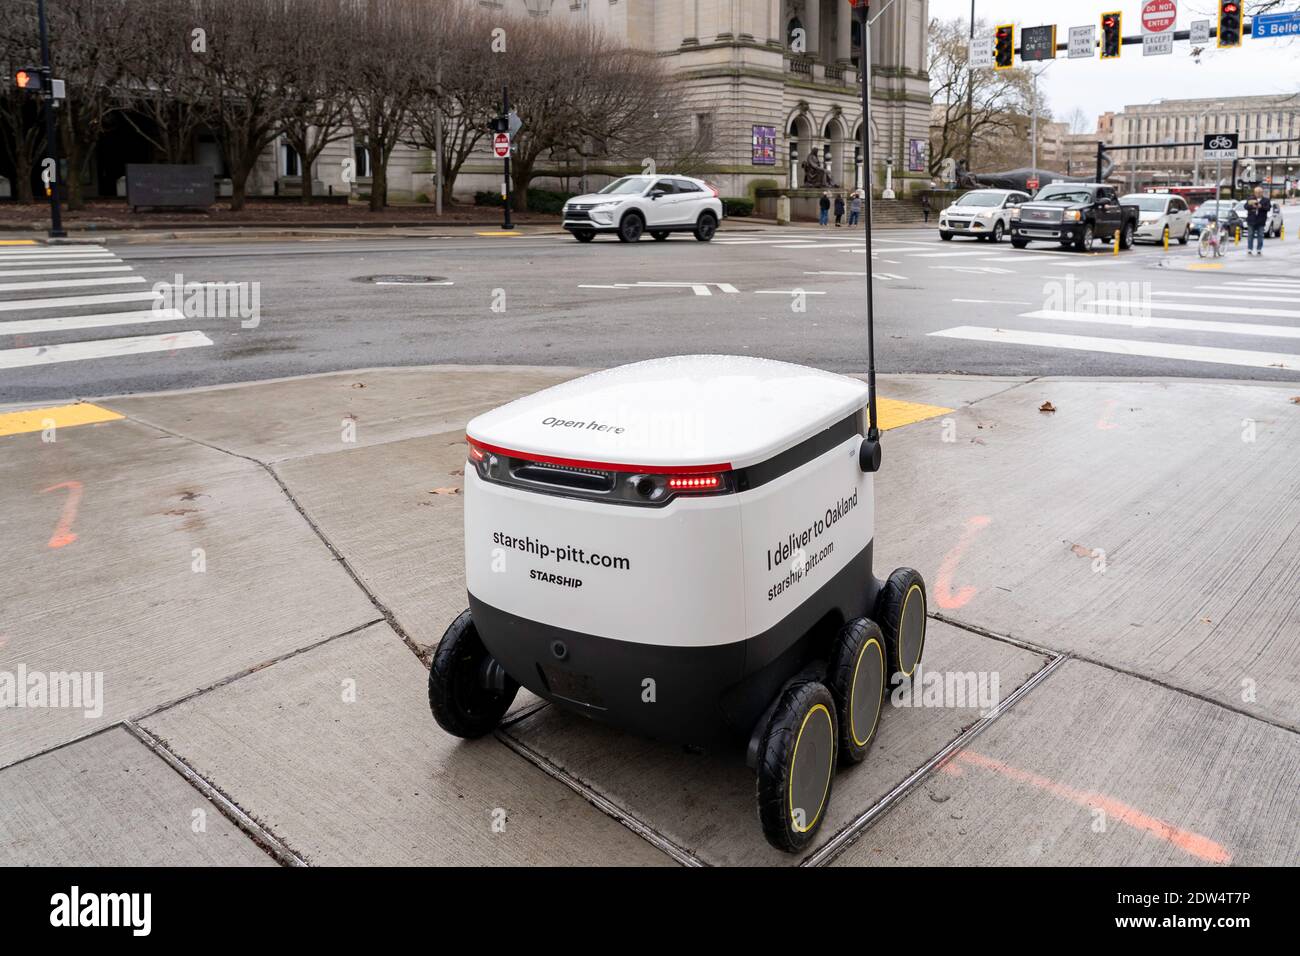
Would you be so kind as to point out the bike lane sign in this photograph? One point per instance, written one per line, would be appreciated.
(1221, 145)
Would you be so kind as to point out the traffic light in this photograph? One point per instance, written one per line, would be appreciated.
(1229, 23)
(1004, 46)
(499, 124)
(28, 79)
(1112, 32)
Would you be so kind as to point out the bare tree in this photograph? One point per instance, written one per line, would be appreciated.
(165, 83)
(245, 52)
(999, 97)
(92, 43)
(314, 75)
(22, 131)
(385, 79)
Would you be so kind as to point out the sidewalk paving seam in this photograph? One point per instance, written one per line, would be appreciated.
(382, 608)
(228, 679)
(602, 803)
(853, 832)
(1114, 668)
(261, 835)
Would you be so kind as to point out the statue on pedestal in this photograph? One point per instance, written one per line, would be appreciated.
(815, 175)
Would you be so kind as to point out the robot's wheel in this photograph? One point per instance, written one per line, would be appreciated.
(469, 693)
(901, 611)
(796, 762)
(856, 679)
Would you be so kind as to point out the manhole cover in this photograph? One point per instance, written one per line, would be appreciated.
(404, 280)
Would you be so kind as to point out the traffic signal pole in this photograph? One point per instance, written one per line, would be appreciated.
(507, 223)
(869, 455)
(51, 139)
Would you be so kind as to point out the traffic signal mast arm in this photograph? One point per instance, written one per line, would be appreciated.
(1177, 35)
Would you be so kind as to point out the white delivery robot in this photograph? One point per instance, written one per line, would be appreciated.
(682, 548)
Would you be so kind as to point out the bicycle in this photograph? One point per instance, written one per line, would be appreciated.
(1213, 240)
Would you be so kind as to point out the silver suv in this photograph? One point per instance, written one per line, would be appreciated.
(634, 205)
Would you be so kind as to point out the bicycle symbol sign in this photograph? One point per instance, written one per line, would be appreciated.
(1221, 145)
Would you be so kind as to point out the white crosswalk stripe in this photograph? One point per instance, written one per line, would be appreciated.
(1162, 322)
(1165, 350)
(85, 266)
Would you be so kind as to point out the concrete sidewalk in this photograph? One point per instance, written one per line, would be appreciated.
(260, 573)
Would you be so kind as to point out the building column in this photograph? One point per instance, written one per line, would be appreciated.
(812, 24)
(690, 21)
(843, 32)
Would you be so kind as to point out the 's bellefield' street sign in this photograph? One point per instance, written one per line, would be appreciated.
(1268, 25)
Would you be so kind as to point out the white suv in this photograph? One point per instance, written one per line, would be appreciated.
(634, 205)
(982, 213)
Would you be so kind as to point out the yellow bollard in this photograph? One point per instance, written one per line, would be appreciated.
(1236, 240)
(1116, 252)
(1166, 238)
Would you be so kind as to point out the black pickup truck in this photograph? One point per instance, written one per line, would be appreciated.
(1074, 214)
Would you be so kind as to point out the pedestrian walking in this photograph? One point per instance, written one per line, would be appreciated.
(824, 207)
(925, 207)
(1258, 207)
(855, 207)
(839, 210)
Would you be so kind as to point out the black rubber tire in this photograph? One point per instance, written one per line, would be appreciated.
(658, 235)
(802, 721)
(584, 235)
(996, 237)
(706, 227)
(1187, 234)
(902, 620)
(945, 236)
(631, 227)
(857, 680)
(1126, 236)
(460, 703)
(1086, 239)
(1019, 243)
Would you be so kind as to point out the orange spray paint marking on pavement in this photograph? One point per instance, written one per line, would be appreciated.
(1104, 423)
(63, 533)
(1193, 844)
(943, 593)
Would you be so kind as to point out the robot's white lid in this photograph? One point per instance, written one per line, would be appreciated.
(692, 411)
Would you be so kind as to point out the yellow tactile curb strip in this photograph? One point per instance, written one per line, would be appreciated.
(59, 416)
(896, 414)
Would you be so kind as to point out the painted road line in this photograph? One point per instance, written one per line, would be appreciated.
(82, 270)
(1161, 322)
(876, 275)
(68, 283)
(993, 301)
(59, 416)
(826, 245)
(1249, 287)
(102, 320)
(103, 348)
(940, 255)
(892, 413)
(786, 292)
(71, 301)
(1084, 343)
(27, 261)
(1205, 309)
(1234, 296)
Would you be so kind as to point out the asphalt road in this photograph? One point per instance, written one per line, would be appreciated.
(794, 293)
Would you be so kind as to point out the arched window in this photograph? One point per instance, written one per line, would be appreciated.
(794, 24)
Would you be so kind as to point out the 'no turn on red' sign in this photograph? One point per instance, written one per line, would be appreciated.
(1158, 19)
(501, 145)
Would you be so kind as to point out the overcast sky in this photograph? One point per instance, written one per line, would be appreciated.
(1257, 67)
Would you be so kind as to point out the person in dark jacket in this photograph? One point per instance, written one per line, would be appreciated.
(839, 210)
(824, 209)
(925, 206)
(1258, 207)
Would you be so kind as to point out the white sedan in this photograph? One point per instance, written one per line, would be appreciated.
(634, 205)
(983, 213)
(1160, 214)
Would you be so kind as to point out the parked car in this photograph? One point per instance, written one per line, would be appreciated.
(1225, 210)
(633, 205)
(1161, 215)
(1074, 214)
(982, 213)
(1274, 227)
